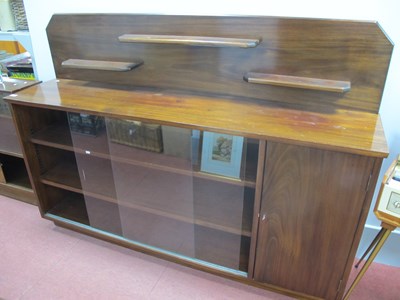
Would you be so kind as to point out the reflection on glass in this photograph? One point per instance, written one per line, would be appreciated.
(169, 199)
(96, 176)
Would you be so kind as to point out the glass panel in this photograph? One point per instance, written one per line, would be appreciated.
(176, 189)
(153, 183)
(184, 191)
(89, 141)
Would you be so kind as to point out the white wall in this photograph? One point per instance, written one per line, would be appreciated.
(386, 12)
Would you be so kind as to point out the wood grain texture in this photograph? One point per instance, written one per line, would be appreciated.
(310, 212)
(321, 147)
(361, 223)
(299, 82)
(203, 41)
(358, 52)
(342, 130)
(100, 65)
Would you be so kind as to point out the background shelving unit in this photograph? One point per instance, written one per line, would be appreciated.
(24, 38)
(16, 182)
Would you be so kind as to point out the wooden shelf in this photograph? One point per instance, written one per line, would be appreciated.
(59, 136)
(203, 41)
(319, 84)
(100, 65)
(206, 203)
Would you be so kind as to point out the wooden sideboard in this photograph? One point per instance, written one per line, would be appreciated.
(14, 180)
(248, 147)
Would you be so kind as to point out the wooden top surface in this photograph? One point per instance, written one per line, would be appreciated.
(10, 85)
(342, 130)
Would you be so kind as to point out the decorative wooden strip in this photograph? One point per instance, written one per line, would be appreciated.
(101, 65)
(299, 82)
(204, 41)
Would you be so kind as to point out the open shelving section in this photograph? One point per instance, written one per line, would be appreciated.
(94, 175)
(59, 136)
(15, 181)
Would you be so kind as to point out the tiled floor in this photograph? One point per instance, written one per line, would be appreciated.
(41, 261)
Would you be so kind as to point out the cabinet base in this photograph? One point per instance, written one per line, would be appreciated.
(18, 193)
(209, 268)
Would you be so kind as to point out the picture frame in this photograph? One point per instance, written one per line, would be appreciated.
(221, 154)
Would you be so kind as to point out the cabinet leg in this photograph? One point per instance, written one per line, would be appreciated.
(373, 243)
(383, 237)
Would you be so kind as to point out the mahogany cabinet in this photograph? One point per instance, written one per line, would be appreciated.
(245, 147)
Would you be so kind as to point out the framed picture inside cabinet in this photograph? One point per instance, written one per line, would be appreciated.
(221, 154)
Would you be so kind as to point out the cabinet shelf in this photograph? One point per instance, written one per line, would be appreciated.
(199, 211)
(59, 136)
(208, 244)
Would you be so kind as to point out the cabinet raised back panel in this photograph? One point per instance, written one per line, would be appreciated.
(339, 63)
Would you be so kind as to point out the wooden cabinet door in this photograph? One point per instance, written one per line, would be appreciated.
(312, 203)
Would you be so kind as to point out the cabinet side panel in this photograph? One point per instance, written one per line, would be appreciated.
(370, 193)
(311, 206)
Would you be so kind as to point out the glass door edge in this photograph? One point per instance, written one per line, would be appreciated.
(53, 217)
